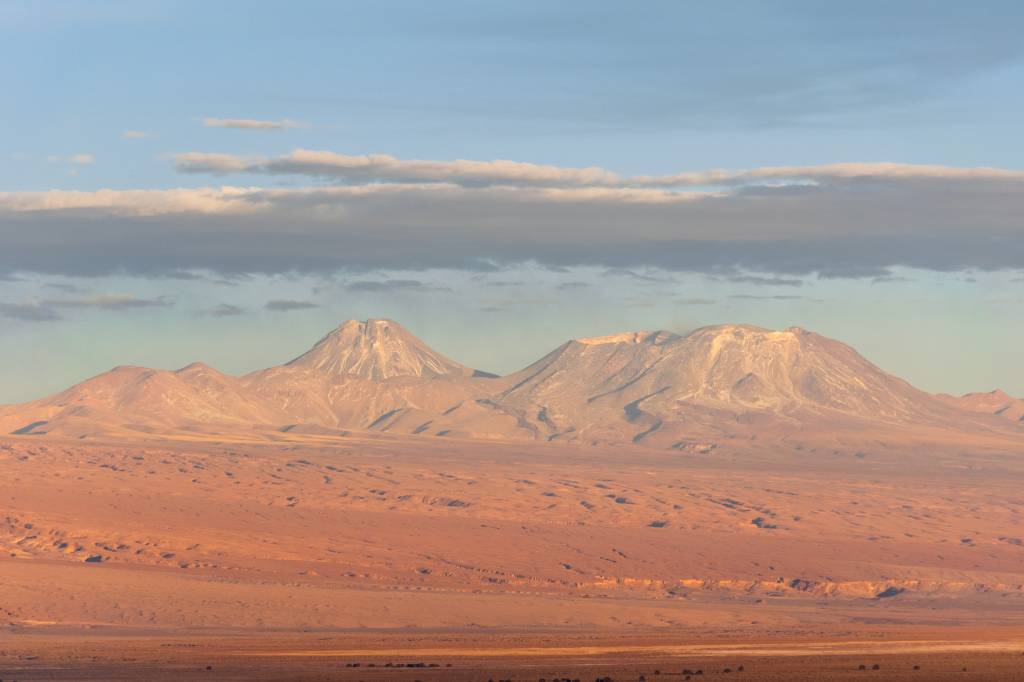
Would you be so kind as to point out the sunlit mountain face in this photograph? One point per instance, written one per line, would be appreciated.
(652, 388)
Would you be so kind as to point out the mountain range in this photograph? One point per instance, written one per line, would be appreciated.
(657, 389)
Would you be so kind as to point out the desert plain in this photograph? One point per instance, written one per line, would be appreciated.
(296, 558)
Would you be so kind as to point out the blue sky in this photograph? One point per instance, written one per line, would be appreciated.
(346, 134)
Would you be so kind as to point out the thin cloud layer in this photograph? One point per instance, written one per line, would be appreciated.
(765, 281)
(137, 203)
(249, 124)
(28, 312)
(109, 302)
(48, 310)
(388, 286)
(381, 167)
(283, 306)
(73, 161)
(224, 310)
(385, 168)
(769, 225)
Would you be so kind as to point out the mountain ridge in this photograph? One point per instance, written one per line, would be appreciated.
(654, 388)
(997, 402)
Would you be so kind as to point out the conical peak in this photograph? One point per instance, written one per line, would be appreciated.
(376, 349)
(371, 327)
(195, 368)
(370, 323)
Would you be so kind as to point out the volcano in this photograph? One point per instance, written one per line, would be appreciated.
(378, 350)
(656, 388)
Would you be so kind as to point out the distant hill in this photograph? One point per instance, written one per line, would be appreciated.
(994, 402)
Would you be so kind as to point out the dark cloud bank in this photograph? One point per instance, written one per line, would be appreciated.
(836, 227)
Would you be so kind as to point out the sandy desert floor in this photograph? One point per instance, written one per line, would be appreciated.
(291, 560)
(967, 654)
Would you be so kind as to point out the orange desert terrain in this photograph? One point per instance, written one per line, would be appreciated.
(748, 503)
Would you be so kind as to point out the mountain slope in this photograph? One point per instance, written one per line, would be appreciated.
(372, 375)
(138, 399)
(726, 379)
(376, 349)
(354, 402)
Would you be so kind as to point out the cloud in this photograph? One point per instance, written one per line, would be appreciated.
(216, 164)
(250, 124)
(28, 312)
(501, 172)
(639, 276)
(73, 161)
(493, 305)
(764, 281)
(134, 135)
(66, 287)
(137, 203)
(828, 173)
(697, 301)
(843, 224)
(224, 310)
(183, 276)
(283, 306)
(110, 302)
(857, 271)
(889, 279)
(757, 297)
(382, 167)
(392, 285)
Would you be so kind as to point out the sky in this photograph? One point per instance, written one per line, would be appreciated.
(227, 182)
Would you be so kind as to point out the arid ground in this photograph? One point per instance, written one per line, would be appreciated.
(294, 559)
